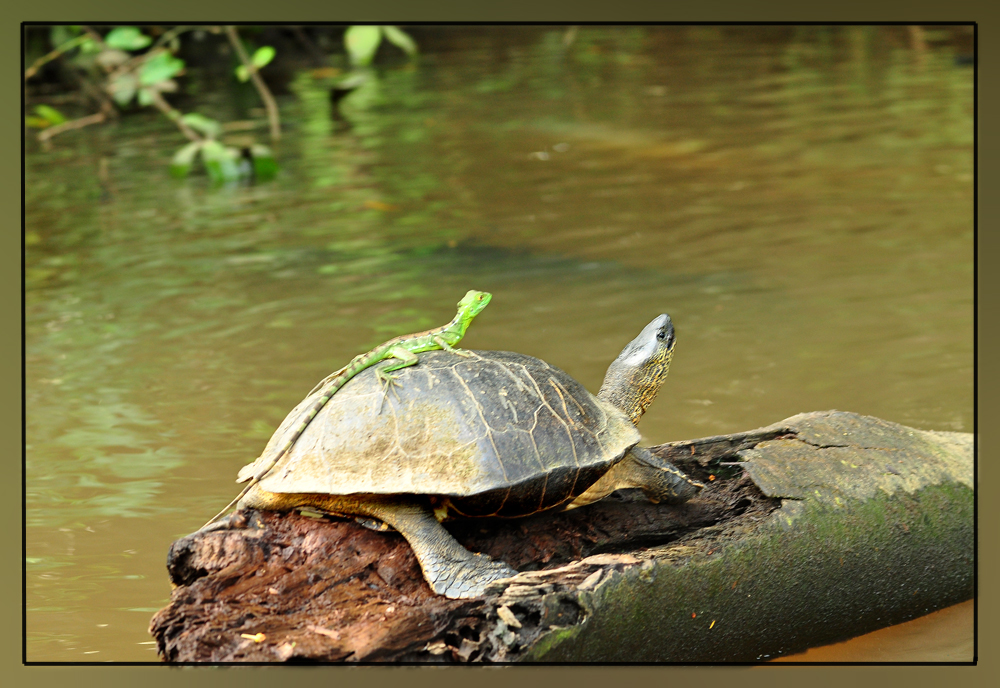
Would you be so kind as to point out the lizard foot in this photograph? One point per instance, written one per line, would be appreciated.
(388, 382)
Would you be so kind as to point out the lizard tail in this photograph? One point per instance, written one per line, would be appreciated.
(288, 445)
(228, 506)
(253, 481)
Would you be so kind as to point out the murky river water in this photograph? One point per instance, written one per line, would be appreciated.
(800, 202)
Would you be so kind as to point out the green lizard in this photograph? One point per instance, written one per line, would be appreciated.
(404, 349)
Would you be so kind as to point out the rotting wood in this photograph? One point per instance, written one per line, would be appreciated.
(826, 525)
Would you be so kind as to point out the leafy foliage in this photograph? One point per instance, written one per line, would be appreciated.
(223, 163)
(160, 67)
(363, 41)
(127, 38)
(205, 125)
(128, 75)
(261, 57)
(45, 116)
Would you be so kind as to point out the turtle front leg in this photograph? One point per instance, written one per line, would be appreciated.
(659, 480)
(450, 569)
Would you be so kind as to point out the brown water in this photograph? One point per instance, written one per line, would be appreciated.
(799, 200)
(941, 636)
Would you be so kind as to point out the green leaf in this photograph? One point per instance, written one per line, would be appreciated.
(145, 97)
(242, 73)
(262, 56)
(161, 67)
(213, 150)
(122, 88)
(361, 43)
(220, 162)
(37, 122)
(206, 125)
(127, 38)
(180, 166)
(264, 164)
(400, 39)
(50, 113)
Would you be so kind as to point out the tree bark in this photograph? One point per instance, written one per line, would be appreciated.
(812, 530)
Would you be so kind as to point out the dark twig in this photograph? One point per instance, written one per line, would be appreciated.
(48, 133)
(265, 94)
(172, 34)
(163, 106)
(97, 38)
(48, 57)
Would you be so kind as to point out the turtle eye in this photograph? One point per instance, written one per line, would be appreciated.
(661, 335)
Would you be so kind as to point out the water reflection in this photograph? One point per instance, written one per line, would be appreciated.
(799, 200)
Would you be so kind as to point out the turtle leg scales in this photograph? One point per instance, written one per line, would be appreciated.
(465, 578)
(450, 569)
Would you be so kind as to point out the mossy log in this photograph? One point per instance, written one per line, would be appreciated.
(812, 530)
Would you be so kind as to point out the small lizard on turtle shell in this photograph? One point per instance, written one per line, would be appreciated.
(404, 349)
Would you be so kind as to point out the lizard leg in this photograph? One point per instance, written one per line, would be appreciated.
(406, 358)
(448, 347)
(390, 383)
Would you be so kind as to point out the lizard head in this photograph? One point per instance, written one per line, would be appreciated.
(473, 303)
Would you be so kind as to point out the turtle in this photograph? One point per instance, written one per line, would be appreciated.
(495, 433)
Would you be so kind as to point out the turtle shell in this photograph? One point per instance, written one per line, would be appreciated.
(496, 433)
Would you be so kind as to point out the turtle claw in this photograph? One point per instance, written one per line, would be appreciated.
(468, 579)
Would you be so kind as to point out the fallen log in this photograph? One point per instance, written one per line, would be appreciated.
(812, 530)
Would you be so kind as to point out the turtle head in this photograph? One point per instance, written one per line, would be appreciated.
(634, 378)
